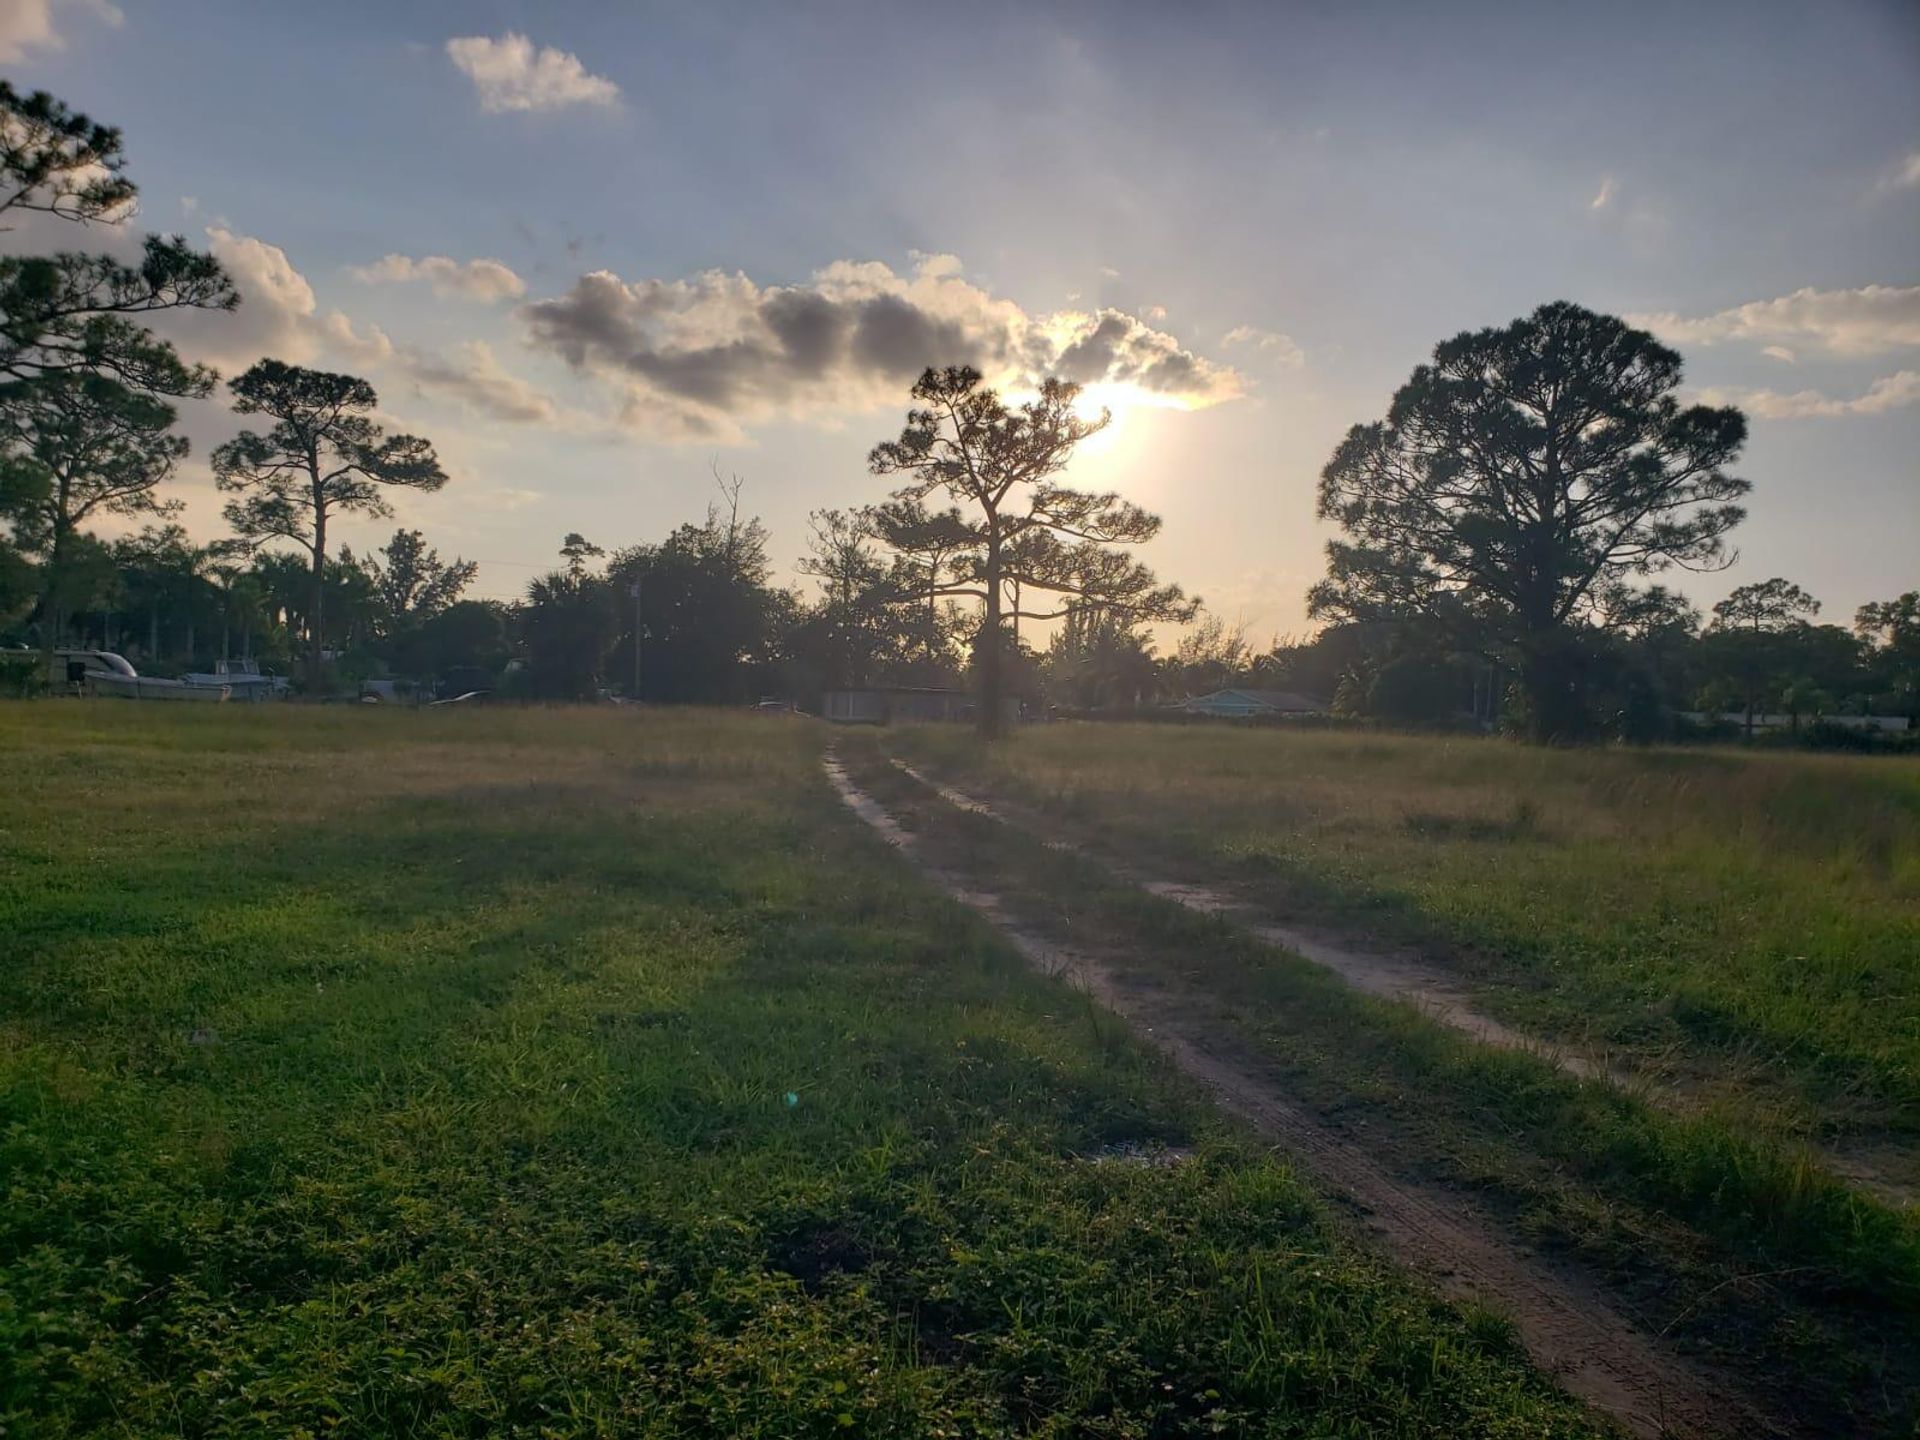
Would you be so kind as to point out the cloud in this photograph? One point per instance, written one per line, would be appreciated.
(1604, 195)
(1865, 321)
(1893, 392)
(510, 74)
(698, 358)
(279, 316)
(1778, 352)
(474, 279)
(29, 25)
(1904, 176)
(1281, 347)
(474, 376)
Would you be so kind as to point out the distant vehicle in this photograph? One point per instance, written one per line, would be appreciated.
(776, 707)
(102, 672)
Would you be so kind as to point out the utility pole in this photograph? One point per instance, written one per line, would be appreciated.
(634, 591)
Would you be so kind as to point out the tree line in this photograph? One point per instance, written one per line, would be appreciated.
(1499, 531)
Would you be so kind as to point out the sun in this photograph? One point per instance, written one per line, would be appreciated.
(1117, 401)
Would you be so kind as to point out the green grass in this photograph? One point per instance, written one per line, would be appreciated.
(565, 1073)
(1716, 1232)
(1749, 922)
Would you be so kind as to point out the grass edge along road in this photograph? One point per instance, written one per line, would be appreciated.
(1564, 1322)
(559, 1071)
(1713, 1234)
(1745, 927)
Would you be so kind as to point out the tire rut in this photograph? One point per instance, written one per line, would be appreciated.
(1567, 1327)
(1398, 977)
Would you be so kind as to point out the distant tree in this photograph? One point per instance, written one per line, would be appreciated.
(867, 622)
(323, 457)
(569, 620)
(1804, 697)
(711, 623)
(1098, 659)
(464, 646)
(99, 449)
(160, 570)
(77, 312)
(1747, 643)
(1890, 630)
(927, 546)
(1518, 481)
(413, 582)
(1212, 655)
(577, 550)
(1767, 607)
(1020, 533)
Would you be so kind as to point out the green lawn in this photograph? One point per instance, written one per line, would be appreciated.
(584, 1072)
(1749, 923)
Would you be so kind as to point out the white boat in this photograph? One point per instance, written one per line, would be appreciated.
(243, 681)
(101, 672)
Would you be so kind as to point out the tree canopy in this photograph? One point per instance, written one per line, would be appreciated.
(1519, 482)
(324, 455)
(1014, 539)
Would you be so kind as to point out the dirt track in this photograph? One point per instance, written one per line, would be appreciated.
(1567, 1326)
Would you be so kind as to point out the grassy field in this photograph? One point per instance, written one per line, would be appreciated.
(1720, 1232)
(1746, 925)
(568, 1073)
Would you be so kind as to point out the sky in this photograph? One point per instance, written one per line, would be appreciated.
(596, 251)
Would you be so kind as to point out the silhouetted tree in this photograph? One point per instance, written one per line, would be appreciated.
(100, 449)
(569, 620)
(76, 312)
(1746, 642)
(711, 622)
(1518, 481)
(1768, 606)
(413, 582)
(1890, 630)
(324, 456)
(1019, 533)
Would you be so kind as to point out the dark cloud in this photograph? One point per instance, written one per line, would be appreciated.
(699, 358)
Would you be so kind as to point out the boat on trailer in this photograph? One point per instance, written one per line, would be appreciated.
(102, 672)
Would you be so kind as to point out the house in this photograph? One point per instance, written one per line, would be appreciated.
(1240, 703)
(885, 704)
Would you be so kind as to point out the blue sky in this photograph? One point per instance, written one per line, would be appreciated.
(1250, 221)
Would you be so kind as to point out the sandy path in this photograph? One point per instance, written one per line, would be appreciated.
(1403, 977)
(1568, 1328)
(1396, 977)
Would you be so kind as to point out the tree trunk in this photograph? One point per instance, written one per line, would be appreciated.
(316, 600)
(51, 610)
(1553, 710)
(987, 657)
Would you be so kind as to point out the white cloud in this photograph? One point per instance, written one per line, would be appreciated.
(280, 317)
(475, 279)
(1904, 176)
(510, 74)
(1604, 195)
(1778, 352)
(30, 25)
(474, 376)
(1892, 392)
(1268, 342)
(1865, 321)
(698, 358)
